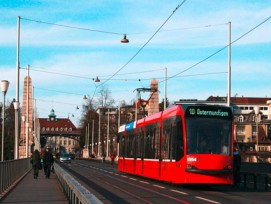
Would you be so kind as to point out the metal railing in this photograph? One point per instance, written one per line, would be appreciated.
(256, 175)
(74, 191)
(11, 172)
(257, 181)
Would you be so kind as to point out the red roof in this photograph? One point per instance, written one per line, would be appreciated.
(241, 100)
(59, 123)
(249, 100)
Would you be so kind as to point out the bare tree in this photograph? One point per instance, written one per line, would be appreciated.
(104, 97)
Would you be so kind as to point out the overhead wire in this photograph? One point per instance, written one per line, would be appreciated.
(72, 27)
(218, 51)
(144, 44)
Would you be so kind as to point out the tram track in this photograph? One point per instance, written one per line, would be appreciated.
(111, 186)
(138, 191)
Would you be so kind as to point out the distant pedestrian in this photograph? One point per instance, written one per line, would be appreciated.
(236, 168)
(112, 156)
(103, 158)
(36, 163)
(48, 161)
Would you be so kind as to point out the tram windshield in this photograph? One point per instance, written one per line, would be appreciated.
(208, 136)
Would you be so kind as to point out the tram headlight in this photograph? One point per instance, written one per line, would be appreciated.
(189, 166)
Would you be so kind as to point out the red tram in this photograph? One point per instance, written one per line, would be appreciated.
(185, 144)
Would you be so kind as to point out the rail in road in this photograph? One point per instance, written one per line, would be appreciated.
(111, 186)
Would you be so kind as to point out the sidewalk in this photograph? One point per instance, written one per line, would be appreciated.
(41, 190)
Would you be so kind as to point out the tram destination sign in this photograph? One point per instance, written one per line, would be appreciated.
(208, 111)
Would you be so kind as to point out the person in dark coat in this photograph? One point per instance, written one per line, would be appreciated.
(48, 161)
(36, 163)
(236, 168)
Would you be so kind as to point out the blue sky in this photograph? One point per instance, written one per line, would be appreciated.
(195, 31)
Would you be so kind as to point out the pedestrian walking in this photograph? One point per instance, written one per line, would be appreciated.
(36, 163)
(48, 161)
(236, 168)
(112, 156)
(103, 158)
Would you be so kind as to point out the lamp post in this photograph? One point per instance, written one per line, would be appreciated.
(92, 138)
(17, 92)
(165, 90)
(4, 88)
(24, 121)
(107, 139)
(16, 105)
(229, 67)
(257, 111)
(99, 136)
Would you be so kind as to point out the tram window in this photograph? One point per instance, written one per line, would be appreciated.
(166, 139)
(151, 141)
(208, 135)
(130, 143)
(148, 145)
(172, 145)
(139, 144)
(178, 134)
(122, 145)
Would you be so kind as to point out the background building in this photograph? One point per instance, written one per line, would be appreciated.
(59, 134)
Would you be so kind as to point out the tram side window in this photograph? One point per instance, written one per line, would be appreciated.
(166, 139)
(148, 144)
(130, 143)
(172, 145)
(151, 141)
(139, 143)
(178, 144)
(122, 145)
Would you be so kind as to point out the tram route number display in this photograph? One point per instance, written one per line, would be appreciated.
(202, 111)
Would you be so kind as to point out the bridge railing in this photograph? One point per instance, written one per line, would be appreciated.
(256, 175)
(74, 191)
(11, 172)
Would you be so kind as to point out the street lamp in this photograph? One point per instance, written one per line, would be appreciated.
(17, 91)
(257, 111)
(229, 66)
(16, 105)
(107, 139)
(25, 130)
(4, 88)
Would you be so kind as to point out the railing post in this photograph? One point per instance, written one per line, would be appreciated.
(266, 182)
(255, 181)
(245, 180)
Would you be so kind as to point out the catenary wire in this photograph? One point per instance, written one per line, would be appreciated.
(143, 45)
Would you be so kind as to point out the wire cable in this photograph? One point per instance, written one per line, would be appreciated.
(218, 51)
(143, 45)
(72, 27)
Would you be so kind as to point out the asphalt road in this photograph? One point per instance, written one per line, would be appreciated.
(111, 186)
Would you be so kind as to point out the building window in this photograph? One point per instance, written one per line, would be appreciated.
(52, 129)
(70, 129)
(56, 129)
(241, 119)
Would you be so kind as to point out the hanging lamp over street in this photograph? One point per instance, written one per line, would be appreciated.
(124, 39)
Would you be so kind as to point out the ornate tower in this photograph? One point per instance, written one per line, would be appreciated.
(26, 134)
(154, 98)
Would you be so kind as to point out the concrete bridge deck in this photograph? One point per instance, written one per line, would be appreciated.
(41, 190)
